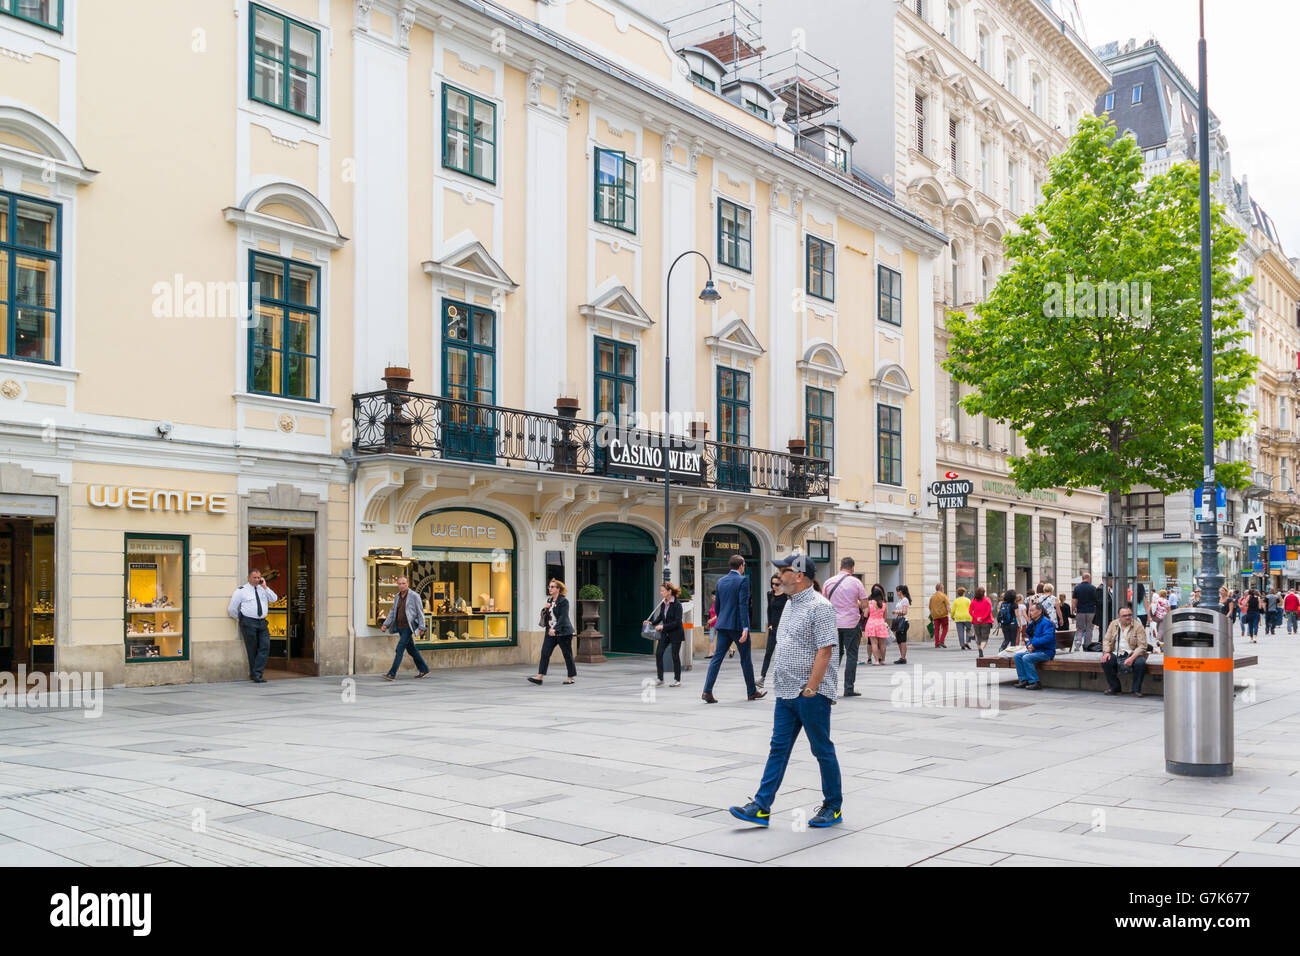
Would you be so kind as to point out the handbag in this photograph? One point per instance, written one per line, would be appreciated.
(542, 621)
(648, 632)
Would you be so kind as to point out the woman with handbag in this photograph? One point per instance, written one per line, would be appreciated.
(559, 631)
(901, 607)
(776, 599)
(667, 623)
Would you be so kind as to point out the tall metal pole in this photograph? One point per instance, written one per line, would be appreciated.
(1210, 578)
(668, 304)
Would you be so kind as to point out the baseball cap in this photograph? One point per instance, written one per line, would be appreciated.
(798, 562)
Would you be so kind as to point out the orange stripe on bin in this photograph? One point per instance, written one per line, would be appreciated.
(1216, 665)
(688, 625)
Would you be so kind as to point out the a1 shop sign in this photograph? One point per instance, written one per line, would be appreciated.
(156, 499)
(952, 491)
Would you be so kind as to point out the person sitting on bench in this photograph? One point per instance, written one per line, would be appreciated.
(1041, 640)
(1124, 650)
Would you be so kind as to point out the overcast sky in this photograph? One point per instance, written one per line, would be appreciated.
(1252, 79)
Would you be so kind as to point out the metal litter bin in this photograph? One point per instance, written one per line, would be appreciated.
(1198, 693)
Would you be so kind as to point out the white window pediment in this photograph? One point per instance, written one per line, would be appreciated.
(618, 307)
(50, 151)
(300, 215)
(925, 57)
(989, 106)
(735, 338)
(472, 266)
(891, 384)
(821, 358)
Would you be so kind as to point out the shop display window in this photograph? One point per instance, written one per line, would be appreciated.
(157, 593)
(468, 595)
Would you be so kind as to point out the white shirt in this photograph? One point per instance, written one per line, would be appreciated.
(1121, 646)
(244, 602)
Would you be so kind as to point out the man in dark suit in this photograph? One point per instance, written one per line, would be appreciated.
(732, 597)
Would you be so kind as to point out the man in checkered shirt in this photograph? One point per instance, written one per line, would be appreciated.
(806, 666)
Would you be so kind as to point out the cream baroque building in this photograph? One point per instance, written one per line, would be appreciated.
(400, 258)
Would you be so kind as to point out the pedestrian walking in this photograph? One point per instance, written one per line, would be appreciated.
(1273, 610)
(940, 608)
(1007, 620)
(805, 682)
(1140, 604)
(1291, 607)
(901, 607)
(1022, 618)
(849, 598)
(405, 618)
(248, 606)
(981, 612)
(961, 618)
(1160, 610)
(1084, 604)
(776, 599)
(559, 633)
(667, 621)
(877, 628)
(1251, 618)
(1041, 647)
(733, 627)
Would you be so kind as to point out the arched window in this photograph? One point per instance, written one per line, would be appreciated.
(985, 59)
(985, 279)
(955, 254)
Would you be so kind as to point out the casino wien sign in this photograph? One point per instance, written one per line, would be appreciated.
(952, 492)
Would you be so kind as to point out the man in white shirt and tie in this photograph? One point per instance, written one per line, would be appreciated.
(248, 606)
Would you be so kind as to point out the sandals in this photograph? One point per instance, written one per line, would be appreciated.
(535, 680)
(569, 681)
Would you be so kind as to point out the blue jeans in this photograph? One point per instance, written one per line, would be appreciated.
(1025, 662)
(963, 632)
(405, 643)
(724, 641)
(814, 715)
(1250, 623)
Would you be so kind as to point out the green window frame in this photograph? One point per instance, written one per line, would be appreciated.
(31, 287)
(890, 554)
(285, 328)
(615, 386)
(889, 305)
(615, 189)
(52, 19)
(184, 540)
(734, 428)
(469, 134)
(820, 278)
(757, 110)
(819, 424)
(889, 460)
(735, 236)
(699, 79)
(469, 374)
(289, 81)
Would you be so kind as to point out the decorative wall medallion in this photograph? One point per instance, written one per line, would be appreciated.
(10, 388)
(287, 423)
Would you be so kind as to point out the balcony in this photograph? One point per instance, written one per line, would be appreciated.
(397, 422)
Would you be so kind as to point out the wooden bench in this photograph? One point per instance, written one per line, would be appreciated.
(1082, 671)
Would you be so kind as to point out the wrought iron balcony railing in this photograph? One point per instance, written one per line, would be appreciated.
(392, 421)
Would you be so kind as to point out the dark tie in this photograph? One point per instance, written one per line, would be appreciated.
(258, 595)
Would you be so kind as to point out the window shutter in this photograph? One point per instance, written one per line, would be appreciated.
(920, 123)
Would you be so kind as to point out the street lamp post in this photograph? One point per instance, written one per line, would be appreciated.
(707, 294)
(1210, 579)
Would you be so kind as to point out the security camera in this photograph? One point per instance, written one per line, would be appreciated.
(164, 429)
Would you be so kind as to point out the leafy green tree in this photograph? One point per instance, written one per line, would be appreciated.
(1090, 344)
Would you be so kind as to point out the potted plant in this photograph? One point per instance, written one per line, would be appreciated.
(590, 597)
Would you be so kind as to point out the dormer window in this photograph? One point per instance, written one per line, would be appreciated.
(706, 69)
(699, 79)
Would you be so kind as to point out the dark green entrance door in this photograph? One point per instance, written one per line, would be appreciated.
(622, 559)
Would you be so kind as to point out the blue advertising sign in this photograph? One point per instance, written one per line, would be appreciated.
(1220, 503)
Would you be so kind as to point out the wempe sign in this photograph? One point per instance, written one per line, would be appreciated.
(633, 452)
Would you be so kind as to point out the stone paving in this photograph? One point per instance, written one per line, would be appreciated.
(477, 767)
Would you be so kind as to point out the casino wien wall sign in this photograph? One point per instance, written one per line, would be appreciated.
(952, 493)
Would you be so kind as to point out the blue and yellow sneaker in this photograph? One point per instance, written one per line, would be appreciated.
(752, 813)
(826, 817)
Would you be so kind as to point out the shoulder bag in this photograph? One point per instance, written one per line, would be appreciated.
(648, 632)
